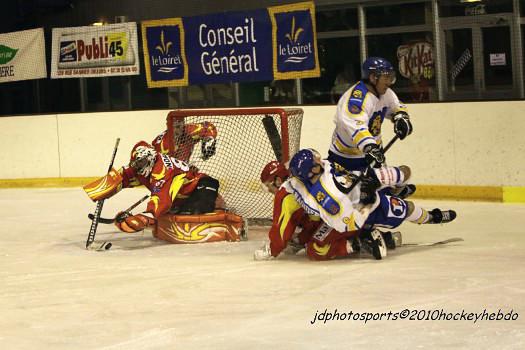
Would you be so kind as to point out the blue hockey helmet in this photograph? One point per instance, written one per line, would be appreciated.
(302, 163)
(379, 66)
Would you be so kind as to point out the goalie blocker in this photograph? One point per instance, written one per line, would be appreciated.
(105, 186)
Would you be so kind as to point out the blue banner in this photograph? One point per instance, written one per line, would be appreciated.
(236, 46)
(294, 41)
(259, 45)
(163, 44)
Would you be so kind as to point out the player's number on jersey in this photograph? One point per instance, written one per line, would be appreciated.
(181, 165)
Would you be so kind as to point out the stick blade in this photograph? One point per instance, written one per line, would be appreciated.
(99, 246)
(432, 244)
(101, 220)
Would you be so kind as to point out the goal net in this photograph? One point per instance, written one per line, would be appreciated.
(246, 140)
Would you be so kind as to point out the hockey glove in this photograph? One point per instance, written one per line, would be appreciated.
(402, 125)
(369, 186)
(208, 148)
(134, 223)
(374, 155)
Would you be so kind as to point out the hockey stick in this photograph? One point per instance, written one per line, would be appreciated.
(101, 220)
(112, 220)
(450, 240)
(273, 136)
(365, 173)
(98, 210)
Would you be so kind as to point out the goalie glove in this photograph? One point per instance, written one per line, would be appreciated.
(402, 125)
(374, 155)
(133, 223)
(208, 148)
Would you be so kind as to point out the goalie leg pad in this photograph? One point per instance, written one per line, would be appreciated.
(212, 227)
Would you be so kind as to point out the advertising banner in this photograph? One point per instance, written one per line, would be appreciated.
(416, 60)
(22, 55)
(164, 53)
(95, 51)
(294, 41)
(234, 46)
(259, 45)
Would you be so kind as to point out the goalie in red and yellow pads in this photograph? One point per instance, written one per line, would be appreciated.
(181, 208)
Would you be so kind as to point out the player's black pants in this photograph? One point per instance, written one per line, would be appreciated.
(201, 200)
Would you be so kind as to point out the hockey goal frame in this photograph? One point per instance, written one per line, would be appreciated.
(281, 112)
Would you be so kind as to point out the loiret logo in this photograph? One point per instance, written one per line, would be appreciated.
(295, 41)
(163, 47)
(165, 58)
(294, 50)
(293, 36)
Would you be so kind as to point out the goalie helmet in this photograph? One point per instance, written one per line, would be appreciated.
(143, 158)
(272, 170)
(378, 66)
(303, 162)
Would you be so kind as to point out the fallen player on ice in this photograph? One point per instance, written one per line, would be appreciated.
(349, 214)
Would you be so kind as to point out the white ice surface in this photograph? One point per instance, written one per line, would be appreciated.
(143, 294)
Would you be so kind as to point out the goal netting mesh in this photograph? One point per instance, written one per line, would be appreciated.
(246, 140)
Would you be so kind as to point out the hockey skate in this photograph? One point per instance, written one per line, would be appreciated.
(373, 243)
(264, 253)
(405, 191)
(354, 245)
(442, 216)
(392, 239)
(294, 247)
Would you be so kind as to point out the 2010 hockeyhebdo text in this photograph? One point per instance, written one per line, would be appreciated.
(414, 315)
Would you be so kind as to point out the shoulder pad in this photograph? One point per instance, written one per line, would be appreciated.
(357, 97)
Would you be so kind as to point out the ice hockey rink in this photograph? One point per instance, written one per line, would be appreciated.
(144, 294)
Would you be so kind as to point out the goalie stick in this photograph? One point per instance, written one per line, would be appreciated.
(98, 211)
(273, 137)
(102, 220)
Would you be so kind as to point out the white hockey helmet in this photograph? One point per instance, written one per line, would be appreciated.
(143, 158)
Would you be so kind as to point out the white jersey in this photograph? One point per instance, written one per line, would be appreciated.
(326, 199)
(359, 117)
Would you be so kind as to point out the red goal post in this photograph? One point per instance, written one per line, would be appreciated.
(246, 140)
